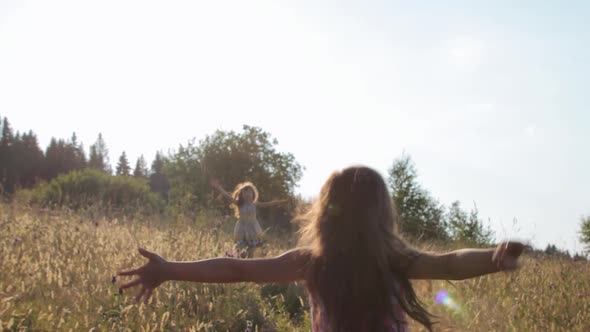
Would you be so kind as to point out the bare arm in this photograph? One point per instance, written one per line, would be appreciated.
(287, 267)
(215, 184)
(271, 203)
(466, 263)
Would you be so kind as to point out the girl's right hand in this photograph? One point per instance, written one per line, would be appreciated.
(149, 276)
(506, 255)
(213, 182)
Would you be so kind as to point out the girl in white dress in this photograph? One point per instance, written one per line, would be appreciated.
(244, 201)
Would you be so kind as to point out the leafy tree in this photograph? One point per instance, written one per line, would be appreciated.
(421, 215)
(140, 170)
(232, 157)
(467, 228)
(123, 167)
(250, 155)
(99, 156)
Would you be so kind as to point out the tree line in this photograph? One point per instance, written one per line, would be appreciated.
(23, 164)
(180, 180)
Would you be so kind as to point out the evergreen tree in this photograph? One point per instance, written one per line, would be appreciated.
(12, 180)
(30, 162)
(123, 165)
(5, 144)
(52, 160)
(99, 156)
(63, 156)
(7, 135)
(77, 153)
(56, 159)
(21, 159)
(552, 250)
(585, 233)
(141, 170)
(159, 180)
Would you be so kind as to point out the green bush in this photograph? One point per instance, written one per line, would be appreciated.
(88, 188)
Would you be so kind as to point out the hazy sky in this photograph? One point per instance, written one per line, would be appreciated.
(489, 99)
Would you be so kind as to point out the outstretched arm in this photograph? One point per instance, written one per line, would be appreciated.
(287, 267)
(272, 203)
(466, 263)
(215, 184)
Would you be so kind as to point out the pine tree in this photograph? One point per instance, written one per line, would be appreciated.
(585, 233)
(21, 159)
(7, 135)
(123, 165)
(62, 157)
(52, 159)
(31, 161)
(141, 170)
(77, 153)
(158, 164)
(158, 180)
(5, 155)
(99, 156)
(94, 159)
(6, 140)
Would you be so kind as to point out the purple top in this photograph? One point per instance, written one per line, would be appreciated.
(320, 324)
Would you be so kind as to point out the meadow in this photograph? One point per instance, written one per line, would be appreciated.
(57, 268)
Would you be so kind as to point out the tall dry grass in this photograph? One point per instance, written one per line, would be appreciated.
(56, 273)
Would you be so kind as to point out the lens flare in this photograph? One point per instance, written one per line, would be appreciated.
(445, 299)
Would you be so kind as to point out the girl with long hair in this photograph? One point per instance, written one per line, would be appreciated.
(355, 266)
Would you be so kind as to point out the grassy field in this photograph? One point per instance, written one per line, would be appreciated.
(56, 273)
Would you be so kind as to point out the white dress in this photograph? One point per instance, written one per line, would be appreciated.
(247, 231)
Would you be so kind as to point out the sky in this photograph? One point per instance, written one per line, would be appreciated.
(488, 98)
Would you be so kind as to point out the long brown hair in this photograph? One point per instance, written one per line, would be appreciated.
(358, 261)
(237, 196)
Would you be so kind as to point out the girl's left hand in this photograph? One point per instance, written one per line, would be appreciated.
(213, 182)
(149, 276)
(506, 255)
